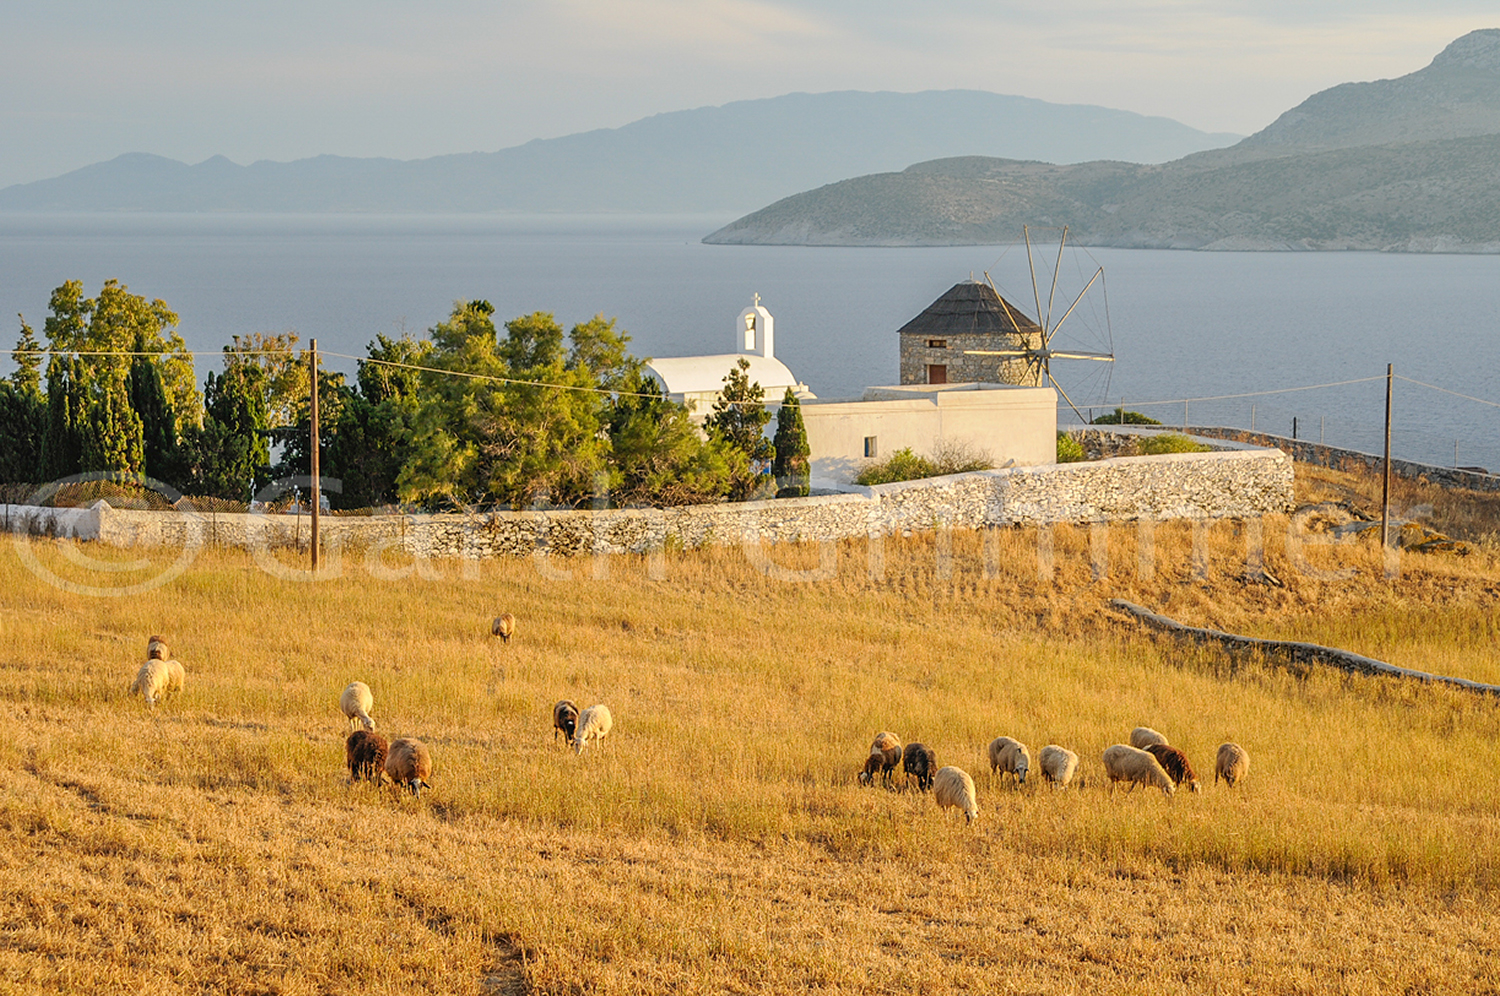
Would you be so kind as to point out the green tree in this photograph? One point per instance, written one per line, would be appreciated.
(23, 414)
(233, 449)
(525, 424)
(660, 457)
(739, 418)
(372, 439)
(92, 423)
(790, 467)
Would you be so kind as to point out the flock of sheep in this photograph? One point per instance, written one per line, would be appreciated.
(1147, 760)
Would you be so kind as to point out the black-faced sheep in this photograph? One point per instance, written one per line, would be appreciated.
(1231, 764)
(920, 763)
(503, 626)
(953, 787)
(1123, 763)
(594, 723)
(365, 753)
(1144, 736)
(356, 703)
(409, 765)
(1175, 763)
(885, 754)
(564, 719)
(1058, 764)
(1009, 757)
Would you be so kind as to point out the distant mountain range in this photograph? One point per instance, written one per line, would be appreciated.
(713, 159)
(1410, 164)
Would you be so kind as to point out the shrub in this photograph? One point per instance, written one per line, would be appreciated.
(1069, 450)
(906, 465)
(902, 465)
(1170, 442)
(1121, 417)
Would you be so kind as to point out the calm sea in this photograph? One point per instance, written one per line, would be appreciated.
(1181, 324)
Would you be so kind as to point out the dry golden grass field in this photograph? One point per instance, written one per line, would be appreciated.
(718, 841)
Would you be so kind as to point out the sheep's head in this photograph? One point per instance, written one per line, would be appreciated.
(1193, 786)
(1023, 765)
(873, 763)
(367, 722)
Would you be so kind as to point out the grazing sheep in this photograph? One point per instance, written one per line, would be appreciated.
(594, 723)
(1009, 757)
(409, 765)
(356, 702)
(885, 754)
(1058, 764)
(156, 648)
(1175, 763)
(1231, 764)
(921, 763)
(156, 680)
(365, 753)
(564, 718)
(1144, 736)
(503, 626)
(953, 787)
(1123, 763)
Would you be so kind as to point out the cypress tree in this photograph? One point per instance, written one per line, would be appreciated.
(790, 468)
(23, 415)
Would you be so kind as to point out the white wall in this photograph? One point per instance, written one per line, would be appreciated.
(1007, 423)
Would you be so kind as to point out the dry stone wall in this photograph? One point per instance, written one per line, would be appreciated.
(1240, 483)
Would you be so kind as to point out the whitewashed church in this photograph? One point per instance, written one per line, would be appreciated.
(1015, 425)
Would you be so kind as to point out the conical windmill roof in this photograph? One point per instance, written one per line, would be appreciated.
(971, 307)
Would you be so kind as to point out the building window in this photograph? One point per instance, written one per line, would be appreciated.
(871, 450)
(937, 343)
(937, 373)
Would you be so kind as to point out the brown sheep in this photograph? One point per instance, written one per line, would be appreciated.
(885, 754)
(920, 762)
(564, 718)
(1175, 763)
(409, 765)
(503, 626)
(156, 648)
(365, 754)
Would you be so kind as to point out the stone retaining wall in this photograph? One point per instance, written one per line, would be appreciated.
(1342, 459)
(1239, 483)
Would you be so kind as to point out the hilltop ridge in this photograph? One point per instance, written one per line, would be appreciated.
(1409, 164)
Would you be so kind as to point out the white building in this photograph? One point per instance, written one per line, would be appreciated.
(1012, 425)
(696, 381)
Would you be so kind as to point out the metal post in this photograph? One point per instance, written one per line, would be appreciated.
(1294, 427)
(1184, 416)
(1322, 420)
(312, 363)
(1385, 489)
(1252, 417)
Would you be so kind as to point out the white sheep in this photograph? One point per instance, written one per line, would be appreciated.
(356, 703)
(1123, 763)
(1232, 763)
(953, 787)
(157, 679)
(1009, 757)
(594, 723)
(1058, 764)
(1144, 736)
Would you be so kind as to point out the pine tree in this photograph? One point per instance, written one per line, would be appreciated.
(739, 418)
(23, 415)
(790, 468)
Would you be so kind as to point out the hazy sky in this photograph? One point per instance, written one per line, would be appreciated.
(85, 80)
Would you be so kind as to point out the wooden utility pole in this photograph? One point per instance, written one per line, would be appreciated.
(1385, 489)
(312, 363)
